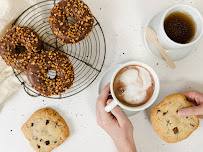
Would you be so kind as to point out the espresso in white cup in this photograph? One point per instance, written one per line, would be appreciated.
(134, 86)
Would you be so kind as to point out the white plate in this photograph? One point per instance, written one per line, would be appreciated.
(105, 79)
(175, 55)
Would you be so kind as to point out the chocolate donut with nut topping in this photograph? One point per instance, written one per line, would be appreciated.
(19, 45)
(39, 67)
(60, 21)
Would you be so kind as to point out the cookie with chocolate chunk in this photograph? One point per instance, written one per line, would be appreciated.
(45, 130)
(168, 124)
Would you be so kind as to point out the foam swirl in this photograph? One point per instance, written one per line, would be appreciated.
(135, 85)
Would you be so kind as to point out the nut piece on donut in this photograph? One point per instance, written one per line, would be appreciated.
(71, 21)
(19, 45)
(40, 66)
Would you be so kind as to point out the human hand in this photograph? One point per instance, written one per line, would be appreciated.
(117, 125)
(196, 99)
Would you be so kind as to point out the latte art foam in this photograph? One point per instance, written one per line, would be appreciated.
(133, 85)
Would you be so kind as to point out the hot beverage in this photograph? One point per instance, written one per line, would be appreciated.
(179, 27)
(133, 85)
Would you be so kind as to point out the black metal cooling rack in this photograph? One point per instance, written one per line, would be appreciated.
(87, 56)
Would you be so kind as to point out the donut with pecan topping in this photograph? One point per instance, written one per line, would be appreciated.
(71, 21)
(19, 45)
(40, 66)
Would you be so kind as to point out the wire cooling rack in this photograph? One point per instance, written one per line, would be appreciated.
(87, 56)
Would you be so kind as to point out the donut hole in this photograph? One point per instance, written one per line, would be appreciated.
(71, 20)
(51, 74)
(20, 48)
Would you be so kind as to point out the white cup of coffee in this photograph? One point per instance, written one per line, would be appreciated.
(134, 87)
(180, 26)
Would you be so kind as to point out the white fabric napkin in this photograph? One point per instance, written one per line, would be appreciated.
(9, 11)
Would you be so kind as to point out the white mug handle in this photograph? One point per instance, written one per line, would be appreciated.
(111, 106)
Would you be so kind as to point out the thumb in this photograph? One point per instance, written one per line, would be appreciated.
(192, 111)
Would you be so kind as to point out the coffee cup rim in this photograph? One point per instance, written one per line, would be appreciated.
(156, 87)
(162, 25)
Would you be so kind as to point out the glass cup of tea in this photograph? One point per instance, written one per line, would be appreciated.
(180, 26)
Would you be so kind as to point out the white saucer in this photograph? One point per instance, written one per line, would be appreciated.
(105, 79)
(175, 55)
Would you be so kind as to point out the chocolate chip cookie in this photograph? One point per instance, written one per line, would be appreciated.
(45, 130)
(168, 124)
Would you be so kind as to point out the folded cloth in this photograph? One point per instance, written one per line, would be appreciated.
(9, 11)
(8, 82)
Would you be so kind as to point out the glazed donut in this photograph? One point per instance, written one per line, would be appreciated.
(61, 16)
(19, 45)
(39, 67)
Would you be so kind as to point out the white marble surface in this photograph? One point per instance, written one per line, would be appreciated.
(122, 22)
